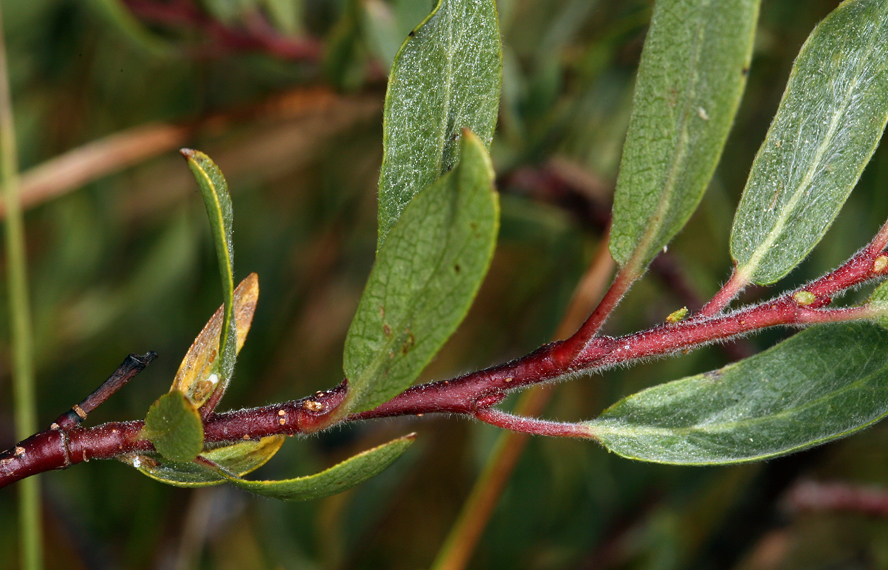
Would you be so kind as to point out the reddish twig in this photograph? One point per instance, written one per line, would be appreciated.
(725, 295)
(132, 365)
(820, 497)
(258, 36)
(477, 509)
(472, 394)
(529, 425)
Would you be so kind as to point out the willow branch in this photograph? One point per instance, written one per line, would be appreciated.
(473, 394)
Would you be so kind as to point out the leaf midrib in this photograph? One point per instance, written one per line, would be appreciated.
(382, 356)
(229, 276)
(749, 269)
(604, 427)
(658, 220)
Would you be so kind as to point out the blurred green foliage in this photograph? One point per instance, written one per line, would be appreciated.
(125, 264)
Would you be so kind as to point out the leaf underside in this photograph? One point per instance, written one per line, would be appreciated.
(214, 190)
(829, 122)
(445, 77)
(424, 280)
(194, 377)
(819, 385)
(239, 458)
(691, 77)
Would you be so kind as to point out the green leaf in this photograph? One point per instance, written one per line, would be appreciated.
(424, 280)
(214, 190)
(174, 427)
(821, 384)
(692, 74)
(826, 129)
(879, 298)
(239, 458)
(446, 77)
(341, 477)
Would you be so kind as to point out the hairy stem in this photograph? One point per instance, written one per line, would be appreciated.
(473, 394)
(735, 284)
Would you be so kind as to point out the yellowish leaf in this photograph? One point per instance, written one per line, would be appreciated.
(197, 377)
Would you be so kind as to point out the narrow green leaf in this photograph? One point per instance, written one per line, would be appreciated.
(174, 427)
(214, 190)
(821, 384)
(341, 477)
(239, 458)
(692, 74)
(826, 129)
(424, 280)
(446, 77)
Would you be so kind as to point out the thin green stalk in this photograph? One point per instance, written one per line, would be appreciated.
(20, 317)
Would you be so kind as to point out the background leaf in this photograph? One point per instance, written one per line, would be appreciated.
(424, 280)
(174, 427)
(341, 477)
(828, 125)
(821, 384)
(240, 458)
(214, 190)
(692, 74)
(195, 375)
(446, 77)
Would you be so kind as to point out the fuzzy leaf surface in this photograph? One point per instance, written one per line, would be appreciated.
(341, 477)
(214, 190)
(195, 375)
(239, 458)
(174, 427)
(826, 129)
(445, 77)
(690, 80)
(879, 300)
(819, 385)
(424, 280)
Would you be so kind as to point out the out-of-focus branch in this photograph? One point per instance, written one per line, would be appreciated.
(811, 496)
(114, 153)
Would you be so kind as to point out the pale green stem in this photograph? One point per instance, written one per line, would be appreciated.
(20, 317)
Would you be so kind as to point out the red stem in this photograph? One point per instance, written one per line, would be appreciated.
(724, 296)
(534, 426)
(258, 35)
(845, 497)
(568, 350)
(472, 394)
